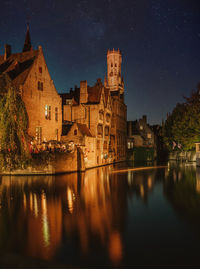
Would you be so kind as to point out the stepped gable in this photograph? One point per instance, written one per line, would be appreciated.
(18, 65)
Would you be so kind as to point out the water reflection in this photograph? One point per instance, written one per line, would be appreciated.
(82, 218)
(182, 189)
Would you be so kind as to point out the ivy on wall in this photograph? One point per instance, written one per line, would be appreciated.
(13, 127)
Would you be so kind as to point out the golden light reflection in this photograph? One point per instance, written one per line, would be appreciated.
(35, 205)
(138, 169)
(46, 235)
(149, 182)
(142, 190)
(31, 201)
(70, 199)
(25, 201)
(115, 248)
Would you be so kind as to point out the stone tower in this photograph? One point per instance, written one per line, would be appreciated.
(114, 79)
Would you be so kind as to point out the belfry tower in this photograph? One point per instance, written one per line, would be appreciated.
(114, 80)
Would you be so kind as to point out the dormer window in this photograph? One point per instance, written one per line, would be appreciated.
(40, 69)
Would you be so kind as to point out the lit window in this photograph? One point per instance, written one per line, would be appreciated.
(148, 135)
(141, 127)
(47, 112)
(129, 145)
(56, 114)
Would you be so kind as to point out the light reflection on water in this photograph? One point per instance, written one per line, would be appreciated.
(102, 219)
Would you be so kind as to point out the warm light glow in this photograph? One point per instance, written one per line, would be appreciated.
(70, 199)
(25, 202)
(115, 248)
(142, 191)
(138, 169)
(31, 201)
(46, 235)
(35, 205)
(149, 182)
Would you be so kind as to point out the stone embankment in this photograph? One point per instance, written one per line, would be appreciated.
(61, 162)
(187, 156)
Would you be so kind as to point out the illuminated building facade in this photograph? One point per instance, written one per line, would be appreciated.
(29, 73)
(101, 109)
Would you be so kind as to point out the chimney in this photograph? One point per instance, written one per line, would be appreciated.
(83, 92)
(130, 128)
(144, 118)
(7, 52)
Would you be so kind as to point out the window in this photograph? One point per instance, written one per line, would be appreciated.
(100, 129)
(40, 86)
(106, 130)
(148, 135)
(75, 132)
(47, 112)
(40, 69)
(38, 134)
(101, 115)
(56, 114)
(129, 145)
(141, 127)
(115, 65)
(108, 117)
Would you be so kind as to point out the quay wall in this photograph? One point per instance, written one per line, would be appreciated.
(189, 156)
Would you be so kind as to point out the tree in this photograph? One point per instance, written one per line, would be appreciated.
(13, 127)
(182, 127)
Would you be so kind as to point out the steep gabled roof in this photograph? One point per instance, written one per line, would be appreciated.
(84, 129)
(106, 93)
(94, 94)
(18, 65)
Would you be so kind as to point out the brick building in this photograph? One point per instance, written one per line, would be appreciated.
(102, 110)
(29, 73)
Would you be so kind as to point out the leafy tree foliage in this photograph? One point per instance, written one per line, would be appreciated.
(13, 127)
(182, 127)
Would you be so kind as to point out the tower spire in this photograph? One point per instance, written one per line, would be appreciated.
(27, 43)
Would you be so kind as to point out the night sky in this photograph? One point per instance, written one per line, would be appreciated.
(159, 40)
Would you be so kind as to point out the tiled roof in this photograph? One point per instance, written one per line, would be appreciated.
(18, 65)
(84, 129)
(94, 94)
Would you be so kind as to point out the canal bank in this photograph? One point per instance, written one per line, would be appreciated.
(53, 163)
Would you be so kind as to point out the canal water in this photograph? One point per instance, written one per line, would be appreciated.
(108, 217)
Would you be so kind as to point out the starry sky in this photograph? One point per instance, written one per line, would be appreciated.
(159, 40)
